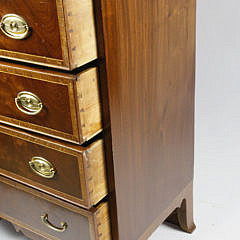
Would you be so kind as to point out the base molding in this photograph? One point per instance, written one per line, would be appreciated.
(179, 212)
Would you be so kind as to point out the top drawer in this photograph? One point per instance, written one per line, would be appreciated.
(58, 33)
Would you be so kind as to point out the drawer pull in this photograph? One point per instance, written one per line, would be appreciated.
(42, 167)
(14, 26)
(28, 103)
(51, 226)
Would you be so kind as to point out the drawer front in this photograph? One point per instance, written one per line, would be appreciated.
(44, 32)
(60, 105)
(44, 218)
(44, 39)
(75, 175)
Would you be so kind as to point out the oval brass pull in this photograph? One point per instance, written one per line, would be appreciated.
(42, 167)
(14, 26)
(28, 103)
(51, 226)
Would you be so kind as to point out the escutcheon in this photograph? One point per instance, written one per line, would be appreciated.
(42, 167)
(14, 26)
(28, 103)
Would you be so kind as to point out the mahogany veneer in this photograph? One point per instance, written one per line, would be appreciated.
(80, 171)
(62, 33)
(71, 102)
(150, 66)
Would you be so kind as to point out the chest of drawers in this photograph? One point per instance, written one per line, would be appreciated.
(96, 117)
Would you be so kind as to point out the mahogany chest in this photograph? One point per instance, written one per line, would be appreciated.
(96, 117)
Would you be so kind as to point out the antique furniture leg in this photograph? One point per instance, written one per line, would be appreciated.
(183, 215)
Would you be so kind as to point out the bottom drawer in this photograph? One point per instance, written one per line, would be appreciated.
(50, 218)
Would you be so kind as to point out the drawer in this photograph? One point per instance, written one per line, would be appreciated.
(37, 213)
(61, 105)
(70, 172)
(57, 33)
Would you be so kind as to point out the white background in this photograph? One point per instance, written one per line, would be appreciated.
(217, 154)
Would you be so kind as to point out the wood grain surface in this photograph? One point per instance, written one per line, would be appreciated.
(80, 173)
(42, 17)
(80, 30)
(88, 104)
(62, 33)
(150, 63)
(45, 39)
(71, 102)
